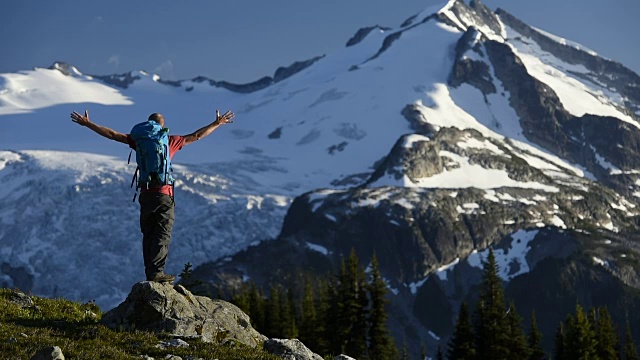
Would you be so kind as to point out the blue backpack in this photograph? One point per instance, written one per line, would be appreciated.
(152, 156)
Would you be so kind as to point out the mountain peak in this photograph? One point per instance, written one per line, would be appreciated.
(65, 68)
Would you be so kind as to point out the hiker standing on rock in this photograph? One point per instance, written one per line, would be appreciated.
(154, 151)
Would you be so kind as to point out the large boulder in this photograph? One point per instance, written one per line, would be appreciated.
(290, 349)
(171, 309)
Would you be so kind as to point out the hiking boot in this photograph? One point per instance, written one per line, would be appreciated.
(162, 278)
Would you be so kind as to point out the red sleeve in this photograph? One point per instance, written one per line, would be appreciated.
(132, 144)
(176, 142)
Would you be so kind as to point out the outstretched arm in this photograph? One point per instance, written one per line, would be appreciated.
(101, 130)
(225, 118)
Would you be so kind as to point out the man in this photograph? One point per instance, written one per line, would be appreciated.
(156, 204)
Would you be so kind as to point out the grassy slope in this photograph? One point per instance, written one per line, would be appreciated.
(74, 328)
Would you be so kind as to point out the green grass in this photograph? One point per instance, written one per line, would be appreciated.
(74, 328)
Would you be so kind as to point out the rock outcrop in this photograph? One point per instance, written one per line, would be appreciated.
(173, 309)
(290, 349)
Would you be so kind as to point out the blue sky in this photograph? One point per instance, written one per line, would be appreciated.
(242, 40)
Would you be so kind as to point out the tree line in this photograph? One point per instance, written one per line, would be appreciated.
(494, 330)
(345, 314)
(342, 314)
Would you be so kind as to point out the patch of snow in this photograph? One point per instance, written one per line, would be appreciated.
(441, 272)
(413, 287)
(412, 139)
(472, 175)
(556, 221)
(515, 254)
(473, 143)
(491, 196)
(404, 203)
(604, 163)
(600, 262)
(331, 217)
(319, 248)
(433, 335)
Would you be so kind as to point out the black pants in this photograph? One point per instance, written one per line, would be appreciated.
(157, 213)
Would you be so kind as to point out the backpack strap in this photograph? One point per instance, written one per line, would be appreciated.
(135, 181)
(166, 165)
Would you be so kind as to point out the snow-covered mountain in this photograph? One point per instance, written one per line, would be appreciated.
(426, 143)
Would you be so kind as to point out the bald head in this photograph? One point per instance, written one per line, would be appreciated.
(157, 117)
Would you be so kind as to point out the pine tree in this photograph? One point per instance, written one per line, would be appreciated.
(381, 345)
(535, 340)
(308, 319)
(630, 351)
(423, 351)
(580, 341)
(257, 306)
(240, 299)
(516, 342)
(273, 326)
(439, 354)
(351, 331)
(607, 341)
(324, 317)
(560, 353)
(187, 280)
(461, 345)
(289, 316)
(490, 320)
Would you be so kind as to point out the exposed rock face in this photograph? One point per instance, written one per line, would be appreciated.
(163, 308)
(50, 353)
(362, 33)
(118, 80)
(546, 122)
(283, 73)
(290, 349)
(465, 70)
(611, 73)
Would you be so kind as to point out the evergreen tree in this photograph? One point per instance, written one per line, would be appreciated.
(559, 353)
(325, 320)
(607, 341)
(240, 299)
(289, 316)
(490, 320)
(423, 351)
(461, 345)
(257, 306)
(381, 345)
(308, 319)
(535, 340)
(580, 341)
(274, 326)
(516, 341)
(187, 280)
(351, 313)
(630, 351)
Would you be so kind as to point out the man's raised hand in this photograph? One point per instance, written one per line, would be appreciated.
(79, 119)
(226, 118)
